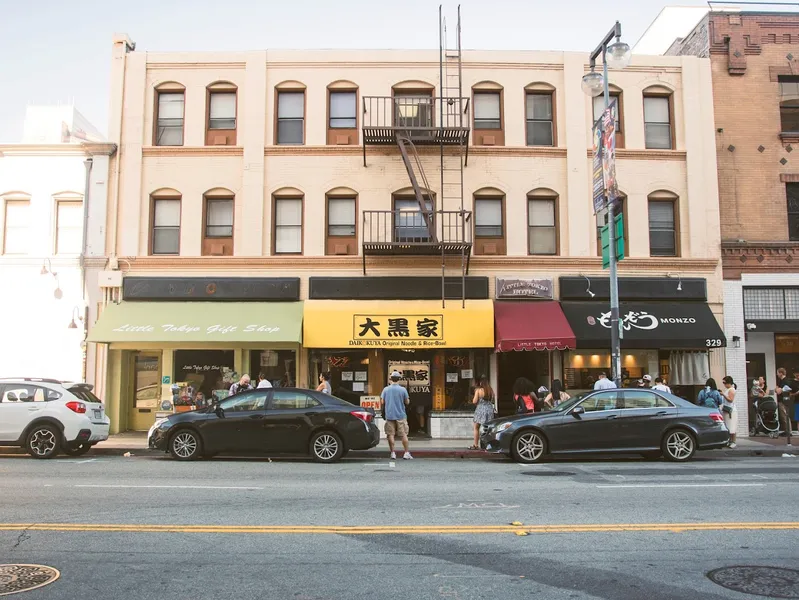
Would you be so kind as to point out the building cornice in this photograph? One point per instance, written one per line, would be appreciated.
(79, 149)
(192, 151)
(235, 64)
(758, 257)
(321, 263)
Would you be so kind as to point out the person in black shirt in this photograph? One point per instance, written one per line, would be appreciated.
(786, 391)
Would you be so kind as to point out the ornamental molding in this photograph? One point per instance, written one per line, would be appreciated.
(192, 151)
(758, 257)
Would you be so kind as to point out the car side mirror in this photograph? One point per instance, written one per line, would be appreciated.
(220, 412)
(577, 411)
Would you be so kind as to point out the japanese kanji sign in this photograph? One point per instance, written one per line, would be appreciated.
(398, 330)
(415, 374)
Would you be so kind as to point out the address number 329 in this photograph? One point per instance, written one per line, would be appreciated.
(713, 343)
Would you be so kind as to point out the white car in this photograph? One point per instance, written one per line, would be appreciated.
(46, 417)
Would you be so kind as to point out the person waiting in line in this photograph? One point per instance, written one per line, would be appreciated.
(263, 382)
(242, 386)
(661, 386)
(709, 396)
(324, 383)
(484, 412)
(557, 395)
(728, 410)
(603, 383)
(523, 396)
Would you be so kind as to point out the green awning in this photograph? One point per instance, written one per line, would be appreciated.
(199, 322)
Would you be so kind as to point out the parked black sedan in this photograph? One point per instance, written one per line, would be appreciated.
(281, 420)
(631, 421)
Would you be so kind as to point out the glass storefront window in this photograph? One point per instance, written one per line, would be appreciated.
(147, 373)
(582, 367)
(349, 372)
(206, 372)
(462, 371)
(279, 366)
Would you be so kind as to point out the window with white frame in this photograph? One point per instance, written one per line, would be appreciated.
(542, 231)
(487, 110)
(488, 218)
(343, 110)
(166, 226)
(169, 128)
(657, 122)
(69, 226)
(288, 225)
(290, 117)
(222, 112)
(341, 217)
(17, 234)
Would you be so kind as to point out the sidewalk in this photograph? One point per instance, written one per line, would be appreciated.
(135, 442)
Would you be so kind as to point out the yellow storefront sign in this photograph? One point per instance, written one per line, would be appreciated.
(398, 324)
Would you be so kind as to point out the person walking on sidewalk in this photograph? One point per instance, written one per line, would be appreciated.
(603, 383)
(728, 410)
(324, 384)
(393, 400)
(484, 412)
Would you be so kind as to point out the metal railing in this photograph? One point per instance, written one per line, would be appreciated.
(418, 113)
(410, 228)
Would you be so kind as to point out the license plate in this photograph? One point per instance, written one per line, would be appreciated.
(98, 414)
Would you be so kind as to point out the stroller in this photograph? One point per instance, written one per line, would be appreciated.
(767, 417)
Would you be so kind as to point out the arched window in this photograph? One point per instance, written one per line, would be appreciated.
(218, 208)
(658, 117)
(598, 103)
(287, 216)
(663, 223)
(542, 222)
(342, 221)
(540, 114)
(489, 221)
(342, 113)
(487, 101)
(221, 124)
(411, 224)
(290, 113)
(165, 221)
(169, 113)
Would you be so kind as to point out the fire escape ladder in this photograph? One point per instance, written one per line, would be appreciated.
(427, 211)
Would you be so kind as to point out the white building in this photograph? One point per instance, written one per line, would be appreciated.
(44, 182)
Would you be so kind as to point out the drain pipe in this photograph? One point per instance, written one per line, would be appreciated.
(88, 163)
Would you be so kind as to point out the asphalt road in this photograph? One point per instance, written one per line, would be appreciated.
(147, 527)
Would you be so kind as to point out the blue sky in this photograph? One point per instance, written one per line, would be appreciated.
(57, 51)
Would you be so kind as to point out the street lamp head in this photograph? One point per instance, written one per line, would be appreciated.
(618, 55)
(593, 83)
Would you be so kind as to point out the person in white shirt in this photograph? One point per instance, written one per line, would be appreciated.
(603, 383)
(263, 382)
(660, 386)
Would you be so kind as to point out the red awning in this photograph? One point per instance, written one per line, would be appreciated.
(531, 325)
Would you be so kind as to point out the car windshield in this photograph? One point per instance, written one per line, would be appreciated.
(564, 406)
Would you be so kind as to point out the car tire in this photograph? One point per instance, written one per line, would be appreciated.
(326, 446)
(76, 449)
(185, 444)
(679, 445)
(43, 441)
(528, 447)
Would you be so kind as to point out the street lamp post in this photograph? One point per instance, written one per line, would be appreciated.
(618, 55)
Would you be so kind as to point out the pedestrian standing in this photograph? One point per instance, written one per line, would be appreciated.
(787, 400)
(324, 383)
(728, 410)
(603, 383)
(523, 396)
(757, 392)
(484, 412)
(661, 386)
(242, 386)
(393, 400)
(263, 382)
(709, 396)
(646, 382)
(557, 395)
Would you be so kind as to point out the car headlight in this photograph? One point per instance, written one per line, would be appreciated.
(503, 426)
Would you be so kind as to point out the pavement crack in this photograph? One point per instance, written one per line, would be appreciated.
(22, 537)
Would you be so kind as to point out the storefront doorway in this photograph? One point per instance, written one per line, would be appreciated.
(533, 365)
(146, 392)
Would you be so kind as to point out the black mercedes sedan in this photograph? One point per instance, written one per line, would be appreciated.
(631, 421)
(260, 421)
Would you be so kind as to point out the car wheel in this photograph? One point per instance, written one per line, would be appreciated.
(43, 441)
(76, 449)
(185, 445)
(528, 447)
(679, 445)
(326, 447)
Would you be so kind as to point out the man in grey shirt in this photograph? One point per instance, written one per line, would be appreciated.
(394, 398)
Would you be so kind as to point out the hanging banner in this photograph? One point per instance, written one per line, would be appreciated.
(604, 158)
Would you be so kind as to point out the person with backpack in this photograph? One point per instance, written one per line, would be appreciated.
(523, 396)
(710, 396)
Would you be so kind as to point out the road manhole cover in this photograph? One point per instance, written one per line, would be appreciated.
(22, 578)
(760, 581)
(548, 473)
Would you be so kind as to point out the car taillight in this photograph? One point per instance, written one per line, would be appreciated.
(78, 407)
(364, 416)
(716, 417)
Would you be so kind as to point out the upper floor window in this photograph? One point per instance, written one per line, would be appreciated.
(165, 238)
(599, 108)
(540, 119)
(789, 103)
(343, 113)
(663, 224)
(218, 232)
(17, 233)
(288, 225)
(341, 217)
(410, 223)
(291, 117)
(542, 231)
(414, 108)
(169, 118)
(792, 192)
(489, 222)
(487, 111)
(222, 109)
(657, 122)
(69, 226)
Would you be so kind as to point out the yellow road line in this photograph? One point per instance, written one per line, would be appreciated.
(397, 529)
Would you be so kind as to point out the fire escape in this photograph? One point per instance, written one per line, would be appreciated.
(416, 123)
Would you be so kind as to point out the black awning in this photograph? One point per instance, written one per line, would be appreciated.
(668, 325)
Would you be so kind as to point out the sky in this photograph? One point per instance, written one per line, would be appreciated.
(55, 51)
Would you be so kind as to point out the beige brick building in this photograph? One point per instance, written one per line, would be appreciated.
(754, 59)
(271, 178)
